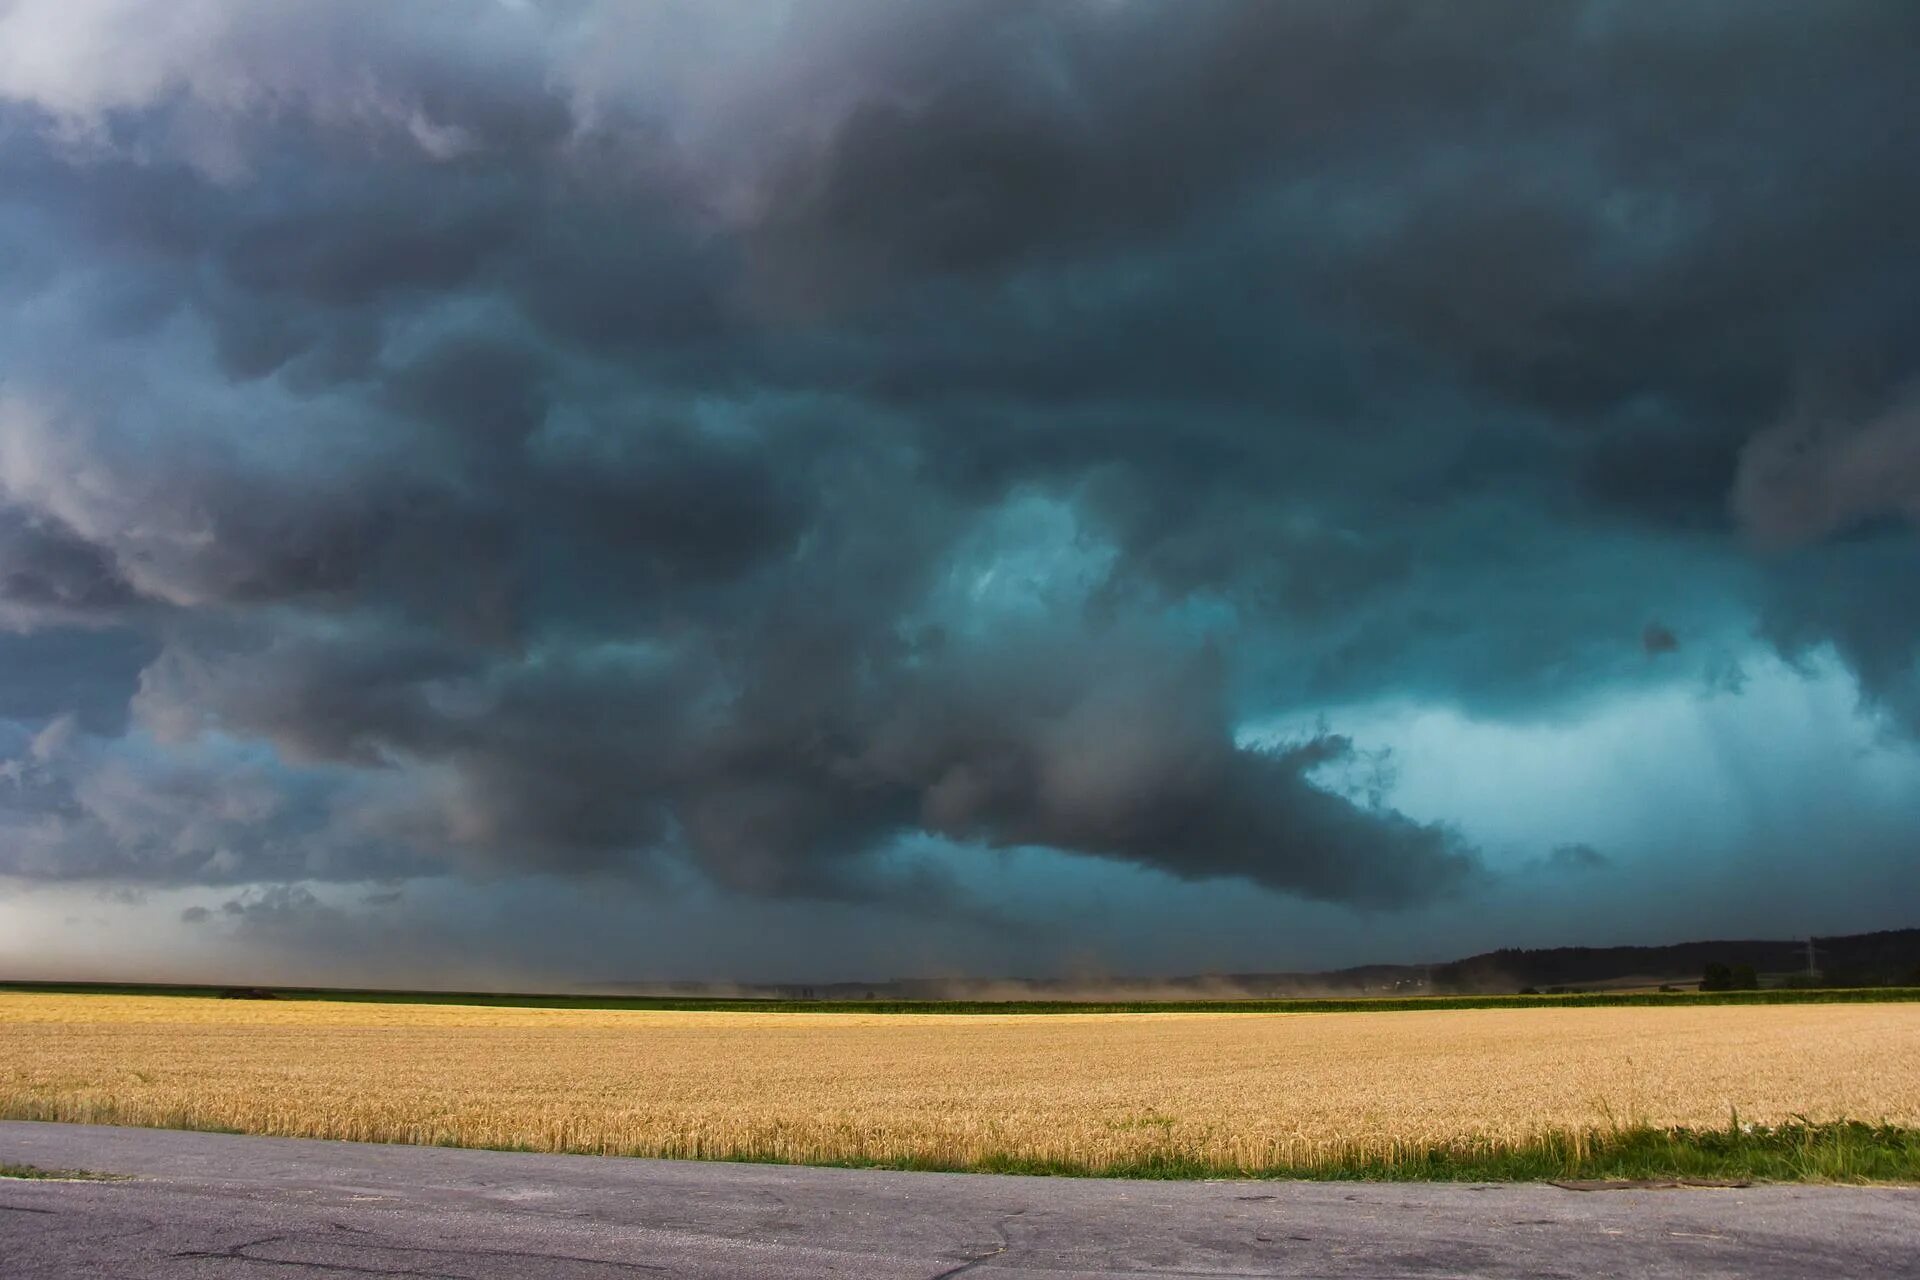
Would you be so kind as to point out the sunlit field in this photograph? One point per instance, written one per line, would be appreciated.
(1087, 1093)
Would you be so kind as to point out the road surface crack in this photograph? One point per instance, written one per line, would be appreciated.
(999, 1229)
(238, 1253)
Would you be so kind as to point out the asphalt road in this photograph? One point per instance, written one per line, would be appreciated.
(211, 1206)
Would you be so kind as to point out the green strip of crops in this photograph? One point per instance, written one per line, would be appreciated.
(1357, 1004)
(1801, 1151)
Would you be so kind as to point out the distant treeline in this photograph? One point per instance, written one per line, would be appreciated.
(1889, 958)
(1362, 1004)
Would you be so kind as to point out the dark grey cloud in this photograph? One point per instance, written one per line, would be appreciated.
(1837, 595)
(1577, 857)
(1657, 638)
(579, 440)
(276, 907)
(89, 674)
(48, 575)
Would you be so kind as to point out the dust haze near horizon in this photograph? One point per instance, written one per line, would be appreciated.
(821, 491)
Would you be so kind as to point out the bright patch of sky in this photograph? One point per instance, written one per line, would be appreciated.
(1650, 769)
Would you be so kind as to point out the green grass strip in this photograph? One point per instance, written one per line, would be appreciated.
(1357, 1004)
(1842, 1151)
(35, 1174)
(1800, 1151)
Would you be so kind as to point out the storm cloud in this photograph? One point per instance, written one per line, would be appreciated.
(607, 440)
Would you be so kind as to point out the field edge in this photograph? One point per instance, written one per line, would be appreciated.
(1838, 1151)
(719, 1004)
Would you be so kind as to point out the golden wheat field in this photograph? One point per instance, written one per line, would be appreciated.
(1246, 1091)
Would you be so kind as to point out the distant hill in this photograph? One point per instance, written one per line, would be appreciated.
(1890, 958)
(1861, 959)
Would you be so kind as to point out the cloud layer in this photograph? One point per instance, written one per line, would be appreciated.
(597, 439)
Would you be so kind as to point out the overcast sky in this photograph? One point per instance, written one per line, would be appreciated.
(503, 492)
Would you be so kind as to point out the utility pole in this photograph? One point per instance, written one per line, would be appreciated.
(1813, 971)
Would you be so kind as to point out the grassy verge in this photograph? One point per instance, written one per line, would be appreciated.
(1357, 1004)
(1845, 1151)
(1838, 1152)
(33, 1173)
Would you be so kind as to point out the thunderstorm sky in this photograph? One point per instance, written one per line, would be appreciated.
(508, 492)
